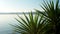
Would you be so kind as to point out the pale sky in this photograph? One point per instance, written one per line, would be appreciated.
(19, 5)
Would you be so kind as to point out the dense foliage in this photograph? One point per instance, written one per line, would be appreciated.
(52, 12)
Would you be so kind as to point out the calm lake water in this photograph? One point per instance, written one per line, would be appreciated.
(5, 21)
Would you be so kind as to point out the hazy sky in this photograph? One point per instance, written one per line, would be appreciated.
(19, 5)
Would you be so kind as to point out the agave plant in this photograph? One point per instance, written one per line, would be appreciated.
(32, 24)
(52, 13)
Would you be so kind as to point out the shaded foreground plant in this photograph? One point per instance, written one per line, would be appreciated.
(32, 24)
(52, 13)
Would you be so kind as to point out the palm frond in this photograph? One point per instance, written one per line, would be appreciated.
(52, 13)
(32, 25)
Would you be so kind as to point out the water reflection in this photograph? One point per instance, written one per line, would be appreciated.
(5, 20)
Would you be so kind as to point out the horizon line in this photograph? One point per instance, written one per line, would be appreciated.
(19, 13)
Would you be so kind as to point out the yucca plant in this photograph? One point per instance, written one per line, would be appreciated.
(52, 13)
(32, 24)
